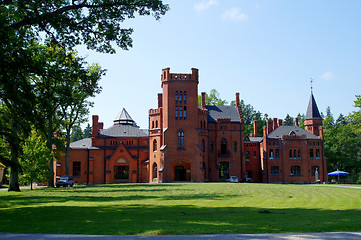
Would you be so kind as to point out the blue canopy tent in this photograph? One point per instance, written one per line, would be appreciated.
(338, 173)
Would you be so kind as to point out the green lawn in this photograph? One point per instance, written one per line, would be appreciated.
(181, 208)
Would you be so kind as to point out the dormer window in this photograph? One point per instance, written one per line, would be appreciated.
(292, 134)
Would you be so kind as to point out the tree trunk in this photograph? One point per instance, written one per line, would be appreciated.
(67, 151)
(49, 144)
(14, 167)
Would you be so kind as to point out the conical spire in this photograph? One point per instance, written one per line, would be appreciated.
(312, 110)
(123, 118)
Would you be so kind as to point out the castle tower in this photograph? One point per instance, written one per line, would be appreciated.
(313, 119)
(177, 157)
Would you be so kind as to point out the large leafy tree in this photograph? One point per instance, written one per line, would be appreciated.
(355, 116)
(62, 23)
(288, 121)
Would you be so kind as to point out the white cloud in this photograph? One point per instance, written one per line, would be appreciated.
(205, 4)
(328, 75)
(234, 14)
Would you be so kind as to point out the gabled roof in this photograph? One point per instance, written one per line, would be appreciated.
(121, 130)
(215, 112)
(123, 116)
(312, 110)
(84, 143)
(286, 130)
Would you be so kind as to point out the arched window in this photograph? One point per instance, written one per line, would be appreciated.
(180, 97)
(299, 154)
(155, 170)
(176, 113)
(294, 154)
(156, 124)
(223, 146)
(204, 124)
(185, 97)
(152, 124)
(155, 145)
(176, 97)
(180, 139)
(290, 153)
(185, 113)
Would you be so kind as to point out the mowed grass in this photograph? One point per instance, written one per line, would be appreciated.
(181, 208)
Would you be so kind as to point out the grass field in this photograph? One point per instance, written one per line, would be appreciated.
(181, 208)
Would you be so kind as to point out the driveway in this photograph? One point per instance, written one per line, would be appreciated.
(294, 236)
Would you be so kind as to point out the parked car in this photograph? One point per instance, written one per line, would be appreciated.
(233, 179)
(247, 180)
(65, 181)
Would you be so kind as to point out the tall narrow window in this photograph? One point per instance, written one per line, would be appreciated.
(176, 97)
(203, 146)
(76, 169)
(155, 171)
(311, 153)
(290, 153)
(294, 154)
(156, 124)
(185, 112)
(247, 156)
(185, 97)
(180, 97)
(180, 113)
(277, 153)
(254, 154)
(211, 146)
(317, 153)
(154, 145)
(176, 113)
(152, 124)
(180, 139)
(299, 154)
(223, 146)
(235, 146)
(271, 154)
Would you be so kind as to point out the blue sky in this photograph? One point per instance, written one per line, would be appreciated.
(265, 50)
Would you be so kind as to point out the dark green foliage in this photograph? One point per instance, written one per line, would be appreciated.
(288, 121)
(87, 133)
(301, 120)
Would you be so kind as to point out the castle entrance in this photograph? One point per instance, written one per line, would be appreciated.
(180, 173)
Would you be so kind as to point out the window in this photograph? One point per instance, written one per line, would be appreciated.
(180, 97)
(185, 97)
(76, 169)
(254, 154)
(290, 154)
(275, 171)
(314, 169)
(211, 146)
(180, 139)
(317, 153)
(235, 146)
(295, 171)
(299, 154)
(277, 153)
(156, 124)
(294, 154)
(180, 113)
(203, 146)
(152, 124)
(185, 112)
(224, 170)
(176, 113)
(204, 124)
(247, 155)
(121, 172)
(155, 170)
(311, 153)
(271, 154)
(223, 146)
(154, 145)
(176, 97)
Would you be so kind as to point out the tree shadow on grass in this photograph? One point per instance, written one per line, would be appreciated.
(174, 219)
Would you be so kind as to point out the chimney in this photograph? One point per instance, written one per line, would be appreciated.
(264, 131)
(296, 122)
(255, 128)
(100, 125)
(194, 74)
(275, 123)
(203, 100)
(279, 122)
(237, 100)
(95, 119)
(165, 74)
(160, 100)
(320, 128)
(269, 126)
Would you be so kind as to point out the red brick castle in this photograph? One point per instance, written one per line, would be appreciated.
(187, 142)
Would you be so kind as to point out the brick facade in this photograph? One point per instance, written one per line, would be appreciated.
(187, 142)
